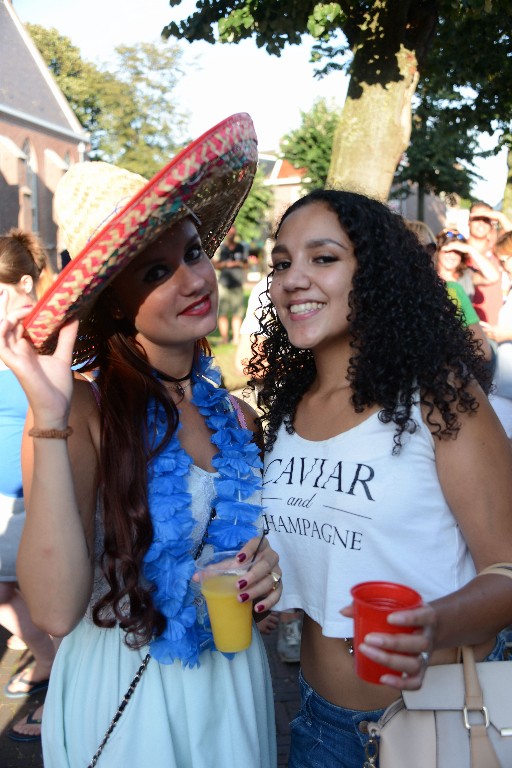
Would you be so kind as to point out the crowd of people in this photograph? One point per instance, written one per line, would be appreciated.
(479, 278)
(368, 457)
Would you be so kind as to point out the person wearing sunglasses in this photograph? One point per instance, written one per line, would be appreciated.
(485, 225)
(462, 262)
(481, 214)
(451, 262)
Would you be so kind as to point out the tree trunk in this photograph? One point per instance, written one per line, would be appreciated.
(420, 214)
(507, 197)
(375, 128)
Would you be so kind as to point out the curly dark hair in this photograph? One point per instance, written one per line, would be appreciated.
(127, 383)
(407, 334)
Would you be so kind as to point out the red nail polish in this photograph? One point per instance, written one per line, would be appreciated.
(259, 608)
(241, 557)
(243, 597)
(241, 584)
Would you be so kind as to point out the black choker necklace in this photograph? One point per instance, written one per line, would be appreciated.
(172, 380)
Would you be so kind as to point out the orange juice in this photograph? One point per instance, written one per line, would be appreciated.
(231, 620)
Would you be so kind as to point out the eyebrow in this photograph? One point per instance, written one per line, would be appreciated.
(317, 242)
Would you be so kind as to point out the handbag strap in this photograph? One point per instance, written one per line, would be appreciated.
(126, 698)
(482, 751)
(500, 569)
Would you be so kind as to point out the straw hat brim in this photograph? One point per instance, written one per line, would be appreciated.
(211, 178)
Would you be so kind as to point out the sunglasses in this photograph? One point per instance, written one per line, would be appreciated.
(454, 235)
(485, 219)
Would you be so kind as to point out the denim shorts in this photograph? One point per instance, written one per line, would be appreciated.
(326, 736)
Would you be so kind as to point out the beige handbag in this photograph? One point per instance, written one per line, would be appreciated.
(460, 718)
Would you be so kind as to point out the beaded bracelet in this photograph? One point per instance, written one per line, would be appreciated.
(59, 434)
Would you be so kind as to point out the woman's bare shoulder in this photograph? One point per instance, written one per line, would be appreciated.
(84, 415)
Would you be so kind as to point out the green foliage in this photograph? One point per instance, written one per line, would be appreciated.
(127, 106)
(148, 72)
(326, 18)
(464, 90)
(252, 220)
(272, 23)
(469, 67)
(461, 47)
(439, 158)
(79, 80)
(310, 145)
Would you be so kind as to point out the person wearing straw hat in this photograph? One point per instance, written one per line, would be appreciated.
(130, 476)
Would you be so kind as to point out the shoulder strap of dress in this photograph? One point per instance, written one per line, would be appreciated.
(95, 389)
(240, 414)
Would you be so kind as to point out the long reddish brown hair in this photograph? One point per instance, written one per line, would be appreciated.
(126, 384)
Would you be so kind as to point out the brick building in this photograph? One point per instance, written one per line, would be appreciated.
(40, 137)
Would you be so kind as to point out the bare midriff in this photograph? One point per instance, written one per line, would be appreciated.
(328, 667)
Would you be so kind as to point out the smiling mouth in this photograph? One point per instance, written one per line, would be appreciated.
(307, 306)
(198, 306)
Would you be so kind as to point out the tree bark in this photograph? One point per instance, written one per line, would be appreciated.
(420, 214)
(375, 129)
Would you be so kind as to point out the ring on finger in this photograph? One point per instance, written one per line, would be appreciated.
(424, 657)
(276, 578)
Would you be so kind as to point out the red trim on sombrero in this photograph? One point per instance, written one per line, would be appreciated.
(226, 155)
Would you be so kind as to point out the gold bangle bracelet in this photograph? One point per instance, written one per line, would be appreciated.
(55, 434)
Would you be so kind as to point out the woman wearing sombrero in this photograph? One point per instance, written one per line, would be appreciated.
(130, 476)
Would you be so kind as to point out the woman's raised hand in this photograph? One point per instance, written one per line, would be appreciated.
(46, 379)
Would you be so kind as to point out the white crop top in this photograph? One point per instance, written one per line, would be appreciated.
(345, 510)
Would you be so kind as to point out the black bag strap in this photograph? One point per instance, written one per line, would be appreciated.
(120, 710)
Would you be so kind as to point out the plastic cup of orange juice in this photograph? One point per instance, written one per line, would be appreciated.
(230, 619)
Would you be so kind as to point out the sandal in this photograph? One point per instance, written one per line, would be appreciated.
(29, 720)
(33, 686)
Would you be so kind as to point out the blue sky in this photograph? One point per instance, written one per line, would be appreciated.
(220, 79)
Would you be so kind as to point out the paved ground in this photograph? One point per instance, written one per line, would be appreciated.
(286, 696)
(13, 755)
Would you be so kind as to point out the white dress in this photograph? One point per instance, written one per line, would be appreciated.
(216, 716)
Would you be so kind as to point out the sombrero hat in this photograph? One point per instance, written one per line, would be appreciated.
(109, 215)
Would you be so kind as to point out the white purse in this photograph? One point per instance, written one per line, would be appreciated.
(460, 718)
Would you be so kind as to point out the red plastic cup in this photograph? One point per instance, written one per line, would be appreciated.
(373, 602)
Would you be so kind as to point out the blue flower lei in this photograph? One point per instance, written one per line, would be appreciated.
(169, 562)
